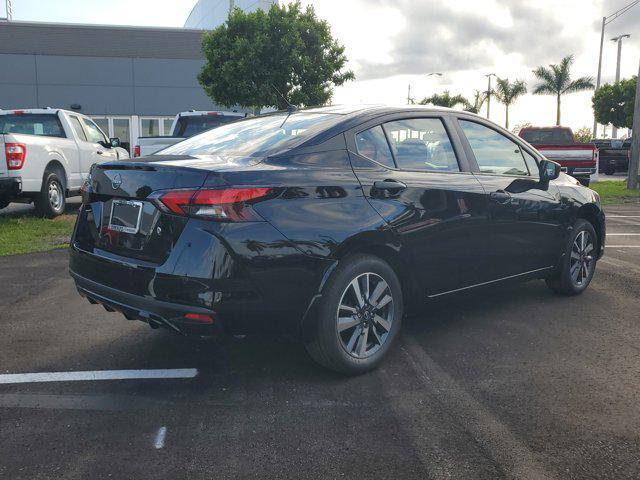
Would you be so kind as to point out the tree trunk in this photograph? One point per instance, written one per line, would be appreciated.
(558, 112)
(506, 121)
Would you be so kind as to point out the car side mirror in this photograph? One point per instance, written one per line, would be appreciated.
(115, 142)
(549, 170)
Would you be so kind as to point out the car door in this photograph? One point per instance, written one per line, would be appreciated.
(524, 227)
(97, 153)
(416, 179)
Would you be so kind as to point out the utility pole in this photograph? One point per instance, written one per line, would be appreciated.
(232, 5)
(489, 75)
(634, 161)
(409, 99)
(614, 133)
(8, 12)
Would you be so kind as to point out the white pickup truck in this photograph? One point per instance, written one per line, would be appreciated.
(185, 125)
(46, 155)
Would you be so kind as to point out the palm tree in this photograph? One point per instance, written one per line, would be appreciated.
(507, 93)
(556, 80)
(478, 101)
(445, 100)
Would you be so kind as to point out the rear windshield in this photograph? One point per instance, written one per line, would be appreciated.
(549, 135)
(192, 125)
(255, 137)
(46, 125)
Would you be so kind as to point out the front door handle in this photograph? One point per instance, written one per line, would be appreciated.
(389, 185)
(99, 152)
(500, 196)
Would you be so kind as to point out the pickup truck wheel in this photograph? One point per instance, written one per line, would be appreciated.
(578, 263)
(359, 316)
(51, 200)
(608, 170)
(4, 204)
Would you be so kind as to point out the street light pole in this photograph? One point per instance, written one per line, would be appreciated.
(489, 75)
(606, 21)
(614, 133)
(634, 161)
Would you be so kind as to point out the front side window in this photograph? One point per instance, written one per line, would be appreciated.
(94, 134)
(494, 152)
(422, 144)
(44, 125)
(373, 144)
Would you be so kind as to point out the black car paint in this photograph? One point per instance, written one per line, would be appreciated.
(443, 233)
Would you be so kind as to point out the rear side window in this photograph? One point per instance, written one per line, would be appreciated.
(422, 144)
(44, 125)
(494, 152)
(75, 123)
(373, 144)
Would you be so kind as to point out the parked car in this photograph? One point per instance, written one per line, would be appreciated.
(329, 224)
(579, 160)
(46, 154)
(614, 155)
(185, 125)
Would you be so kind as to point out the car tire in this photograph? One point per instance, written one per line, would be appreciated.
(4, 204)
(578, 264)
(609, 170)
(51, 200)
(353, 333)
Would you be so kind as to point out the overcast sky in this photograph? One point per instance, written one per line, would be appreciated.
(394, 43)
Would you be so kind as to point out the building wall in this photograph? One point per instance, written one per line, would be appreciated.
(208, 14)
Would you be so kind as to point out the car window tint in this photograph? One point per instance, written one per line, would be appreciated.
(494, 152)
(422, 144)
(95, 135)
(373, 144)
(75, 123)
(532, 163)
(44, 125)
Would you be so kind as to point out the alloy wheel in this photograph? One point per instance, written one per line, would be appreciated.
(365, 315)
(581, 262)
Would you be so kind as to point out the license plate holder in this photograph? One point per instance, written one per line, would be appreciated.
(125, 216)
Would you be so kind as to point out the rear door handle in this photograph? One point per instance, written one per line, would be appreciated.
(99, 152)
(500, 196)
(389, 185)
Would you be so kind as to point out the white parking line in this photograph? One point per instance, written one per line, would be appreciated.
(622, 234)
(160, 436)
(623, 216)
(97, 375)
(623, 246)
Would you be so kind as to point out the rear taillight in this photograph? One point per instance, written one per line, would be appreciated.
(225, 204)
(136, 151)
(15, 154)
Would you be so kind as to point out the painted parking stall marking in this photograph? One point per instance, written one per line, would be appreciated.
(98, 375)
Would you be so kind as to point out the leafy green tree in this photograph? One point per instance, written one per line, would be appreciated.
(269, 59)
(583, 135)
(478, 101)
(614, 103)
(507, 93)
(445, 99)
(520, 126)
(556, 80)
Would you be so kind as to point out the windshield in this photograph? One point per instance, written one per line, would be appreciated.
(47, 125)
(188, 126)
(548, 136)
(254, 137)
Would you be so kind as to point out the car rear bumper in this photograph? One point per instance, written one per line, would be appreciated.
(10, 187)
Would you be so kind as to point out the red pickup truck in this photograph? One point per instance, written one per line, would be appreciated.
(558, 144)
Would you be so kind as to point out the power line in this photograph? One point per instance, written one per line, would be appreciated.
(620, 12)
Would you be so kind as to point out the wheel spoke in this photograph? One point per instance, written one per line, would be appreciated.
(354, 336)
(384, 323)
(356, 290)
(349, 309)
(379, 290)
(345, 323)
(386, 299)
(365, 293)
(588, 248)
(575, 255)
(582, 240)
(585, 272)
(376, 335)
(362, 343)
(574, 270)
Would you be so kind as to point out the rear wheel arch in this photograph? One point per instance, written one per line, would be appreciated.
(56, 166)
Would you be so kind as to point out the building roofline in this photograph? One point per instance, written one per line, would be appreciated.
(99, 26)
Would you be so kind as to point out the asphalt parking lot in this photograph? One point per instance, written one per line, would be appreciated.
(507, 382)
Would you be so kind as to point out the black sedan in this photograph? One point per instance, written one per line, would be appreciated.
(329, 224)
